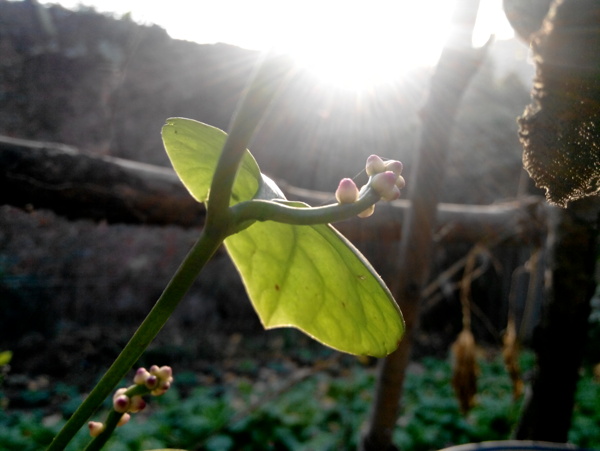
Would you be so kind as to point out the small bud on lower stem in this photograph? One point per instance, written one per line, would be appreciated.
(137, 404)
(121, 403)
(151, 382)
(95, 428)
(141, 375)
(124, 419)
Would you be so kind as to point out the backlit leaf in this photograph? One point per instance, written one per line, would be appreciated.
(307, 277)
(312, 278)
(194, 149)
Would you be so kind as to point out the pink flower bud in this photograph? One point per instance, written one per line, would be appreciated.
(137, 404)
(158, 392)
(394, 166)
(95, 428)
(374, 165)
(347, 192)
(154, 369)
(121, 403)
(368, 212)
(152, 381)
(124, 419)
(120, 391)
(140, 376)
(383, 182)
(164, 373)
(393, 194)
(400, 183)
(161, 389)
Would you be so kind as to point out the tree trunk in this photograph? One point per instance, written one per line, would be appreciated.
(560, 338)
(406, 276)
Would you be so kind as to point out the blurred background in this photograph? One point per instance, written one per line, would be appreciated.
(102, 78)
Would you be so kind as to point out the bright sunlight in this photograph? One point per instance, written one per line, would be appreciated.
(349, 44)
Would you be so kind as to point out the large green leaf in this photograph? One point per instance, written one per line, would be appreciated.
(308, 277)
(312, 278)
(194, 149)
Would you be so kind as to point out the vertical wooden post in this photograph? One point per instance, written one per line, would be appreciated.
(407, 274)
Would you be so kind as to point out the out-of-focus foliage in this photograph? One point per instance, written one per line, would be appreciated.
(324, 411)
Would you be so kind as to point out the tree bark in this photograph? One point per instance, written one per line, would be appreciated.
(57, 177)
(560, 338)
(561, 155)
(407, 276)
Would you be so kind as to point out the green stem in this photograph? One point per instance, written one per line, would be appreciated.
(263, 210)
(193, 263)
(257, 99)
(259, 94)
(113, 419)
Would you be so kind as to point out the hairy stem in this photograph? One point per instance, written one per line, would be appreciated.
(202, 251)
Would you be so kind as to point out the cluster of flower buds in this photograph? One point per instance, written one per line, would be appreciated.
(385, 179)
(155, 381)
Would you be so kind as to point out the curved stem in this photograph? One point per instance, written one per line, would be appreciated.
(193, 263)
(264, 210)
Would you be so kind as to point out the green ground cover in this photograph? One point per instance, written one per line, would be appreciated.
(284, 406)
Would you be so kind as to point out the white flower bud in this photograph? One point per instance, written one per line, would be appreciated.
(374, 165)
(165, 373)
(121, 403)
(124, 419)
(152, 381)
(140, 376)
(393, 194)
(400, 182)
(137, 404)
(95, 428)
(383, 182)
(347, 192)
(394, 166)
(368, 212)
(161, 390)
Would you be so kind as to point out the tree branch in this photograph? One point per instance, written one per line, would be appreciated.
(75, 185)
